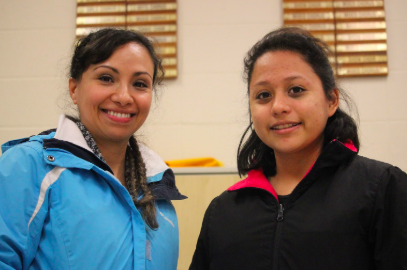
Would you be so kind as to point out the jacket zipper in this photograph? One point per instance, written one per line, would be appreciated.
(280, 217)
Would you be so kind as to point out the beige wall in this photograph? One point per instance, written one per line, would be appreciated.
(203, 112)
(201, 189)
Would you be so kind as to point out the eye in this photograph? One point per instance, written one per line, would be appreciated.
(106, 79)
(263, 95)
(296, 90)
(139, 84)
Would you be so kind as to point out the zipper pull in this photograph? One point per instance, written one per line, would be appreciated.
(280, 212)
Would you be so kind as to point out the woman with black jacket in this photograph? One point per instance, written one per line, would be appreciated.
(309, 200)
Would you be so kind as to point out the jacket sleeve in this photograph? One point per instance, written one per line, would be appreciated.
(389, 230)
(19, 193)
(201, 258)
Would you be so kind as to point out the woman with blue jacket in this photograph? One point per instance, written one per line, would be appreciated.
(87, 195)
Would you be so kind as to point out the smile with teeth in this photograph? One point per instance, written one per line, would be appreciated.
(120, 115)
(284, 126)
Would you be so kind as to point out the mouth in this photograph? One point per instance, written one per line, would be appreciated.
(119, 115)
(279, 127)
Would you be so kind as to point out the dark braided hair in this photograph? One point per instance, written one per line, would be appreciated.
(139, 183)
(95, 48)
(252, 152)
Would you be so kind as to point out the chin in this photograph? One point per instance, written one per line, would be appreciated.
(287, 148)
(119, 137)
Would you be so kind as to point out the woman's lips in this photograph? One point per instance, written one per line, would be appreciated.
(284, 126)
(118, 117)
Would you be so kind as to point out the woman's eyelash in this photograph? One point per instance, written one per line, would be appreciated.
(263, 95)
(296, 90)
(293, 90)
(140, 84)
(105, 78)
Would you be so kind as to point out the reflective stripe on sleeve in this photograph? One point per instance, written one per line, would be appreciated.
(48, 180)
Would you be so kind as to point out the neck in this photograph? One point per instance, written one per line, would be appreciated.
(115, 156)
(291, 168)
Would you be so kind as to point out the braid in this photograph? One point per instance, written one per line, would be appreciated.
(146, 203)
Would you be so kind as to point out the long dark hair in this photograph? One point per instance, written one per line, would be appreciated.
(252, 152)
(98, 47)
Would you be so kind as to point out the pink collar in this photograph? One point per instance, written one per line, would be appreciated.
(256, 178)
(349, 144)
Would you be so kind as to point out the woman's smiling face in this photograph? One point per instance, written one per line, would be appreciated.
(114, 96)
(288, 105)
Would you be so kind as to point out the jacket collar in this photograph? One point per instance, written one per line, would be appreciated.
(155, 166)
(332, 155)
(255, 179)
(68, 131)
(159, 177)
(69, 139)
(68, 135)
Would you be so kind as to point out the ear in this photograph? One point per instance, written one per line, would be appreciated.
(333, 102)
(73, 86)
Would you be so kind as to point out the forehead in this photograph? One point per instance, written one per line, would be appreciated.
(279, 65)
(282, 68)
(131, 50)
(129, 58)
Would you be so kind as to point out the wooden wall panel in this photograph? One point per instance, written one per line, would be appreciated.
(157, 19)
(355, 31)
(200, 189)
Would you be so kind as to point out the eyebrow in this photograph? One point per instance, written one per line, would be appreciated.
(117, 72)
(291, 78)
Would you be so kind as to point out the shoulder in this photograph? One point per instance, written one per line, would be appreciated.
(24, 163)
(33, 144)
(368, 167)
(369, 163)
(374, 173)
(23, 170)
(22, 152)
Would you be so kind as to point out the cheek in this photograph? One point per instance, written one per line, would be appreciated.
(90, 96)
(255, 114)
(82, 102)
(321, 113)
(260, 123)
(144, 103)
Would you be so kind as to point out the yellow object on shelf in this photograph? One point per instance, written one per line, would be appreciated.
(194, 162)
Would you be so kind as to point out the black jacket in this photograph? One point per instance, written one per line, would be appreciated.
(349, 212)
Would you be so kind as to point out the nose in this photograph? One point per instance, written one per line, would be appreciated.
(122, 95)
(280, 105)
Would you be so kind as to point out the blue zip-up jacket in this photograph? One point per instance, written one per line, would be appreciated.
(62, 208)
